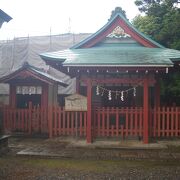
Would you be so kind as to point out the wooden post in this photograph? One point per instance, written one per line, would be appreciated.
(50, 116)
(157, 95)
(146, 108)
(30, 118)
(12, 96)
(77, 85)
(44, 96)
(89, 112)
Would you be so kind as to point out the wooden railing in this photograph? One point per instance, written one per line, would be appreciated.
(68, 122)
(106, 122)
(114, 122)
(165, 122)
(31, 120)
(53, 120)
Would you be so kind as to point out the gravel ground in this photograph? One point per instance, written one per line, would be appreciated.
(16, 168)
(13, 167)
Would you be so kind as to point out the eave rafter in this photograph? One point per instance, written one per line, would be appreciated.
(115, 70)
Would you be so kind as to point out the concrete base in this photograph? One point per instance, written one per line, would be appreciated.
(4, 143)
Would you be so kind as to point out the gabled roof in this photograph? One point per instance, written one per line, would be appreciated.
(104, 48)
(32, 71)
(118, 19)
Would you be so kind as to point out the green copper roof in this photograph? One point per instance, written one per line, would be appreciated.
(114, 53)
(114, 56)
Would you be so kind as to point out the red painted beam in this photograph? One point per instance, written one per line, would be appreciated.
(119, 80)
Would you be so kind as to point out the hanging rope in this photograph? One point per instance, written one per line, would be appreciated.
(100, 90)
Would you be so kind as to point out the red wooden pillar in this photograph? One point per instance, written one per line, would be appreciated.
(77, 85)
(30, 118)
(50, 121)
(89, 112)
(146, 110)
(12, 95)
(44, 96)
(157, 95)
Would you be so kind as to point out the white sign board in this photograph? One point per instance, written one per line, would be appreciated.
(76, 102)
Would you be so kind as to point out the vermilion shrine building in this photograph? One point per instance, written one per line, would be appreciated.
(118, 69)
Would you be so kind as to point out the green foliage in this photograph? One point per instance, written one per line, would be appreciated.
(164, 29)
(150, 7)
(149, 25)
(162, 23)
(170, 87)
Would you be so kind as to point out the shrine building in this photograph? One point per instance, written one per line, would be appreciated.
(117, 71)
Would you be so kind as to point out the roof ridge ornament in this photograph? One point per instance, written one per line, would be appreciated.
(118, 32)
(118, 10)
(25, 64)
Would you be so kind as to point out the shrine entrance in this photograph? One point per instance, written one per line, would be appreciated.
(24, 100)
(118, 106)
(117, 111)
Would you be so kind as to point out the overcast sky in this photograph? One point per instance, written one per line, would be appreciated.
(37, 17)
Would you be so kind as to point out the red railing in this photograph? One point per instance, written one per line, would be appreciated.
(165, 122)
(115, 122)
(53, 120)
(68, 122)
(31, 120)
(106, 122)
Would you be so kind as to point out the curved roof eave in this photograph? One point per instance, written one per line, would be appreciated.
(48, 56)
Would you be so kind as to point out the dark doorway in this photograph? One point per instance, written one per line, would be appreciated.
(23, 100)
